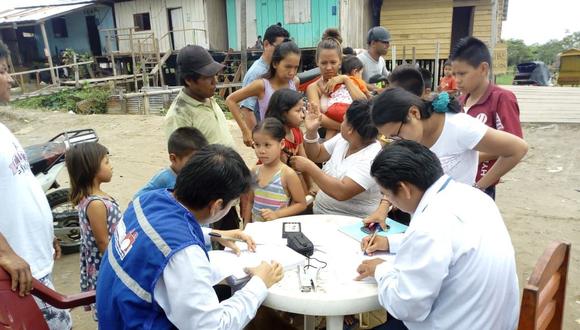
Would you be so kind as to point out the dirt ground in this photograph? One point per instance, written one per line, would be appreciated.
(540, 199)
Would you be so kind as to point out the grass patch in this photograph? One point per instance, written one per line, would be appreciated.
(505, 79)
(67, 100)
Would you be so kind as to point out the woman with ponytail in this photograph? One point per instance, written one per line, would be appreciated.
(455, 137)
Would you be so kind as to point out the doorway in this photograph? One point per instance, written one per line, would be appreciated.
(175, 20)
(462, 25)
(94, 37)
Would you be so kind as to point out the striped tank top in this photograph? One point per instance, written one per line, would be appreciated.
(271, 196)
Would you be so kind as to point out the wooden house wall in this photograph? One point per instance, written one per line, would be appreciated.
(355, 21)
(193, 17)
(419, 24)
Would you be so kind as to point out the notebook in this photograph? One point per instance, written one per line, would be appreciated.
(355, 230)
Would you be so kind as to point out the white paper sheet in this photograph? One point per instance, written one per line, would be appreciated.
(226, 263)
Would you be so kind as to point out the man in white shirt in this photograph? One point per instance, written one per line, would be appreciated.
(455, 268)
(378, 40)
(26, 232)
(156, 272)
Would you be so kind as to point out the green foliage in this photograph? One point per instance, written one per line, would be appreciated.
(67, 100)
(221, 102)
(519, 52)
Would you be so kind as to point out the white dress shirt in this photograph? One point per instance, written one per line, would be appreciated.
(185, 293)
(455, 268)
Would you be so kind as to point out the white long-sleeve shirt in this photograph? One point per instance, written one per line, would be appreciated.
(455, 267)
(185, 293)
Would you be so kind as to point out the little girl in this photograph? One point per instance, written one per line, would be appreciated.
(287, 106)
(88, 166)
(279, 192)
(282, 74)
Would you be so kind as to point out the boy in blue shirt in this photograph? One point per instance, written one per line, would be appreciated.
(182, 144)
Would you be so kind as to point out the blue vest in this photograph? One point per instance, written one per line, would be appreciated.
(154, 227)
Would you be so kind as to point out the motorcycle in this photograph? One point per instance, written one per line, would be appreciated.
(46, 162)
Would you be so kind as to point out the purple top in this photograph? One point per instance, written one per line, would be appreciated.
(268, 91)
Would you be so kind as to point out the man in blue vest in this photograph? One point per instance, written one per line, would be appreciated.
(156, 273)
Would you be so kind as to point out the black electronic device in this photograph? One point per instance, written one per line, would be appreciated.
(301, 244)
(290, 228)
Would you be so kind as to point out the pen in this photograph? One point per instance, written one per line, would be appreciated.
(372, 239)
(217, 235)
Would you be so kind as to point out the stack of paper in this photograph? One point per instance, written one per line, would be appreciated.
(226, 264)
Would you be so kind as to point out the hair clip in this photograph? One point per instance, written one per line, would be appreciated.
(441, 102)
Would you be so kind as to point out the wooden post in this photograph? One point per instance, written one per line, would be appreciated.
(158, 55)
(243, 37)
(22, 88)
(493, 40)
(436, 73)
(404, 54)
(76, 69)
(110, 45)
(144, 75)
(145, 103)
(133, 66)
(414, 61)
(393, 57)
(47, 53)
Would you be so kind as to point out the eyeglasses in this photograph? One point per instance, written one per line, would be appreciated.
(396, 137)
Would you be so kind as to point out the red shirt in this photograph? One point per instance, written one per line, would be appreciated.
(497, 108)
(448, 84)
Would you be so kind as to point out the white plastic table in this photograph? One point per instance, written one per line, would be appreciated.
(337, 294)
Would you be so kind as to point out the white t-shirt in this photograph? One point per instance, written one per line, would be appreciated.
(454, 148)
(25, 216)
(372, 67)
(358, 168)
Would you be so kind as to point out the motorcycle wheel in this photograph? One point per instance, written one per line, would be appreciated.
(65, 221)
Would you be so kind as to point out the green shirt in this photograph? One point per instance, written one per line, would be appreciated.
(207, 117)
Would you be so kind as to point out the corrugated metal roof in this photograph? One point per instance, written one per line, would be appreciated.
(35, 14)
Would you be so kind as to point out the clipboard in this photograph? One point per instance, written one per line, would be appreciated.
(356, 232)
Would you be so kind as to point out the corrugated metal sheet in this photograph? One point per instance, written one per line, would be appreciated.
(548, 104)
(35, 14)
(156, 102)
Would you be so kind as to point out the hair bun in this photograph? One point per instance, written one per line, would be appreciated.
(332, 33)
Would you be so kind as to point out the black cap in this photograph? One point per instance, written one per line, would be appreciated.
(193, 58)
(378, 33)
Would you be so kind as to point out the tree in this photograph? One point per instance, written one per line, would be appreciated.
(547, 52)
(518, 52)
(571, 41)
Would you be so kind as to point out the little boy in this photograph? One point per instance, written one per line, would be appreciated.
(409, 78)
(182, 144)
(447, 83)
(428, 82)
(353, 67)
(494, 106)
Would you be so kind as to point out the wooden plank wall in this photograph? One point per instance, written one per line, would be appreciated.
(418, 23)
(193, 17)
(482, 17)
(355, 22)
(547, 104)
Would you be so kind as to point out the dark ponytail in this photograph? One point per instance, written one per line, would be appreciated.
(358, 116)
(393, 105)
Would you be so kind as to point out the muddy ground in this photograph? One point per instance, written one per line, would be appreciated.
(540, 199)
